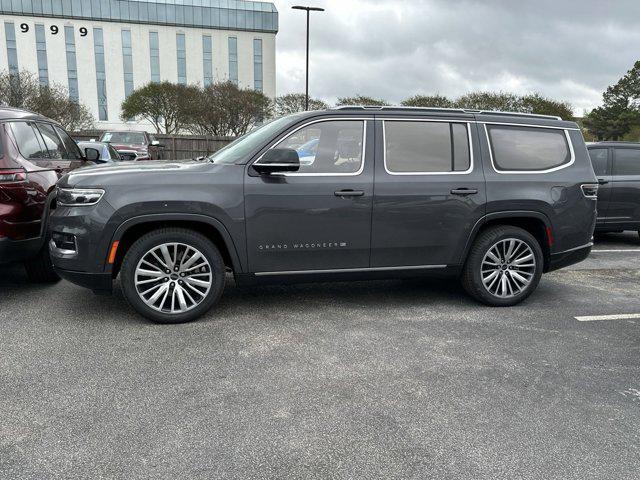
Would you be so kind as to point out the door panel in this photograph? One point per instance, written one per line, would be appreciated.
(601, 161)
(624, 206)
(424, 219)
(300, 221)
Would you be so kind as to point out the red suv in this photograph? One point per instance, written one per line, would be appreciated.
(34, 153)
(133, 145)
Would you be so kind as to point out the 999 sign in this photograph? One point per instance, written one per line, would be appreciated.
(24, 27)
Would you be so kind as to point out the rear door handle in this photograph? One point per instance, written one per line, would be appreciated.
(349, 193)
(464, 191)
(602, 181)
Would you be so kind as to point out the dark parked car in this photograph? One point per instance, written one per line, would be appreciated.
(496, 199)
(133, 146)
(617, 166)
(106, 152)
(34, 153)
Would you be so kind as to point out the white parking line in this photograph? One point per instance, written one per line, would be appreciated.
(618, 250)
(623, 316)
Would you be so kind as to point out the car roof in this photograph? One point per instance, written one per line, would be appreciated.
(612, 143)
(10, 113)
(89, 143)
(457, 113)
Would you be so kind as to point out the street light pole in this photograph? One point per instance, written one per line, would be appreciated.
(308, 10)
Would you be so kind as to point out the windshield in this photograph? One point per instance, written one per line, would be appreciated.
(127, 138)
(240, 148)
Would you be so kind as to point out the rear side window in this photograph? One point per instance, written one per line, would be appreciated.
(28, 141)
(626, 161)
(528, 149)
(600, 160)
(426, 147)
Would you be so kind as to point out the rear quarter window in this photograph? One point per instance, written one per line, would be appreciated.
(626, 161)
(528, 149)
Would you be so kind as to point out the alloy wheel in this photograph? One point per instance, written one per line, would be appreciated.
(173, 278)
(508, 268)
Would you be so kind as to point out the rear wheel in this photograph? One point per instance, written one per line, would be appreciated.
(504, 266)
(173, 275)
(40, 269)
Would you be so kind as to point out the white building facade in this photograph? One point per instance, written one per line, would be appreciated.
(102, 50)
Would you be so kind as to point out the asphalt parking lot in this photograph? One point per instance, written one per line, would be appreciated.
(387, 379)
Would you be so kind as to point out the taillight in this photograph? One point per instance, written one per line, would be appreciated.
(590, 190)
(13, 176)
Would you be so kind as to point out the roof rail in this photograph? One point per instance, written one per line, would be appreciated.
(445, 110)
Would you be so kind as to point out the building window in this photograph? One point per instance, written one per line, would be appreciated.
(233, 60)
(182, 58)
(12, 51)
(257, 64)
(41, 53)
(127, 62)
(101, 73)
(207, 54)
(72, 68)
(154, 46)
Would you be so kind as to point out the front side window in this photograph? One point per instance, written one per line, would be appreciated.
(600, 160)
(426, 147)
(522, 149)
(70, 145)
(53, 142)
(27, 140)
(627, 161)
(333, 147)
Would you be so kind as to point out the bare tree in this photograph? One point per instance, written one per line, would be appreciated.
(223, 109)
(23, 90)
(295, 102)
(168, 106)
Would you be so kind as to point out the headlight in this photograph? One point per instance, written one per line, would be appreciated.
(79, 197)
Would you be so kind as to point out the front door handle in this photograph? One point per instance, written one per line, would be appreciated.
(464, 191)
(602, 181)
(349, 193)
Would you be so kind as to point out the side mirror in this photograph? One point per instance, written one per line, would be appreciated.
(156, 143)
(278, 160)
(91, 154)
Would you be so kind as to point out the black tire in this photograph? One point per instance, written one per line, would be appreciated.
(40, 269)
(168, 235)
(472, 271)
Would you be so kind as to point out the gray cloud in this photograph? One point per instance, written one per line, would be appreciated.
(565, 49)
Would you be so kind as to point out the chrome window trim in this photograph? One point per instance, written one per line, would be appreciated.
(364, 120)
(530, 172)
(511, 124)
(443, 120)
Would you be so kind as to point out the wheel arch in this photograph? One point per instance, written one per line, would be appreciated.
(132, 229)
(536, 223)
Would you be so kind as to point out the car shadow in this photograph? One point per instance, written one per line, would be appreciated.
(617, 240)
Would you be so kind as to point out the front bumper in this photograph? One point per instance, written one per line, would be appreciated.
(569, 257)
(100, 283)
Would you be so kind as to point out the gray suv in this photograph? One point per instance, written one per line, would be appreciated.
(617, 166)
(496, 199)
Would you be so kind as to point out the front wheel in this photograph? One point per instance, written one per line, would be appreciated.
(173, 275)
(504, 266)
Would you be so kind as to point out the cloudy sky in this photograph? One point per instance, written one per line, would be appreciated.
(565, 49)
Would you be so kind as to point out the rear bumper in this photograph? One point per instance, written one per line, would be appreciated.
(101, 283)
(19, 250)
(569, 257)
